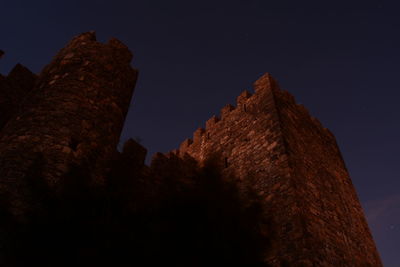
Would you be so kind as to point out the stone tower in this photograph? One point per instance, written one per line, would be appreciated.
(298, 170)
(73, 114)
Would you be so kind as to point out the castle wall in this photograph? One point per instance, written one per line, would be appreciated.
(74, 111)
(74, 114)
(336, 230)
(294, 163)
(248, 143)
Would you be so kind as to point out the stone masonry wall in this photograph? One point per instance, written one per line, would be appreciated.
(248, 142)
(337, 233)
(74, 114)
(295, 164)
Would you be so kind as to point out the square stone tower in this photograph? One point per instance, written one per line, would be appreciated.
(297, 168)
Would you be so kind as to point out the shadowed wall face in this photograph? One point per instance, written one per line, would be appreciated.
(13, 89)
(74, 114)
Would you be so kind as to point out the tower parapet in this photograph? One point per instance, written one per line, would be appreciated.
(74, 114)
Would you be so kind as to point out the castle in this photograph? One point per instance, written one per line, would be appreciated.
(74, 110)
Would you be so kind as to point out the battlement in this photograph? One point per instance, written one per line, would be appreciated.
(266, 142)
(292, 160)
(248, 105)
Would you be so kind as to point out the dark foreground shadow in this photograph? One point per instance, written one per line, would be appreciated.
(200, 220)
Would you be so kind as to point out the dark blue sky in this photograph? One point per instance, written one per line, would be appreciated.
(340, 59)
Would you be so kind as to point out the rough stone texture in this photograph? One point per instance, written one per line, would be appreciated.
(335, 226)
(295, 163)
(74, 114)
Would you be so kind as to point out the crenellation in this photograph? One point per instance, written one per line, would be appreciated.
(295, 161)
(157, 155)
(243, 97)
(268, 142)
(198, 135)
(226, 110)
(210, 123)
(176, 151)
(135, 151)
(185, 145)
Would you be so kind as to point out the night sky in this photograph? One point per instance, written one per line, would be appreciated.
(340, 59)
